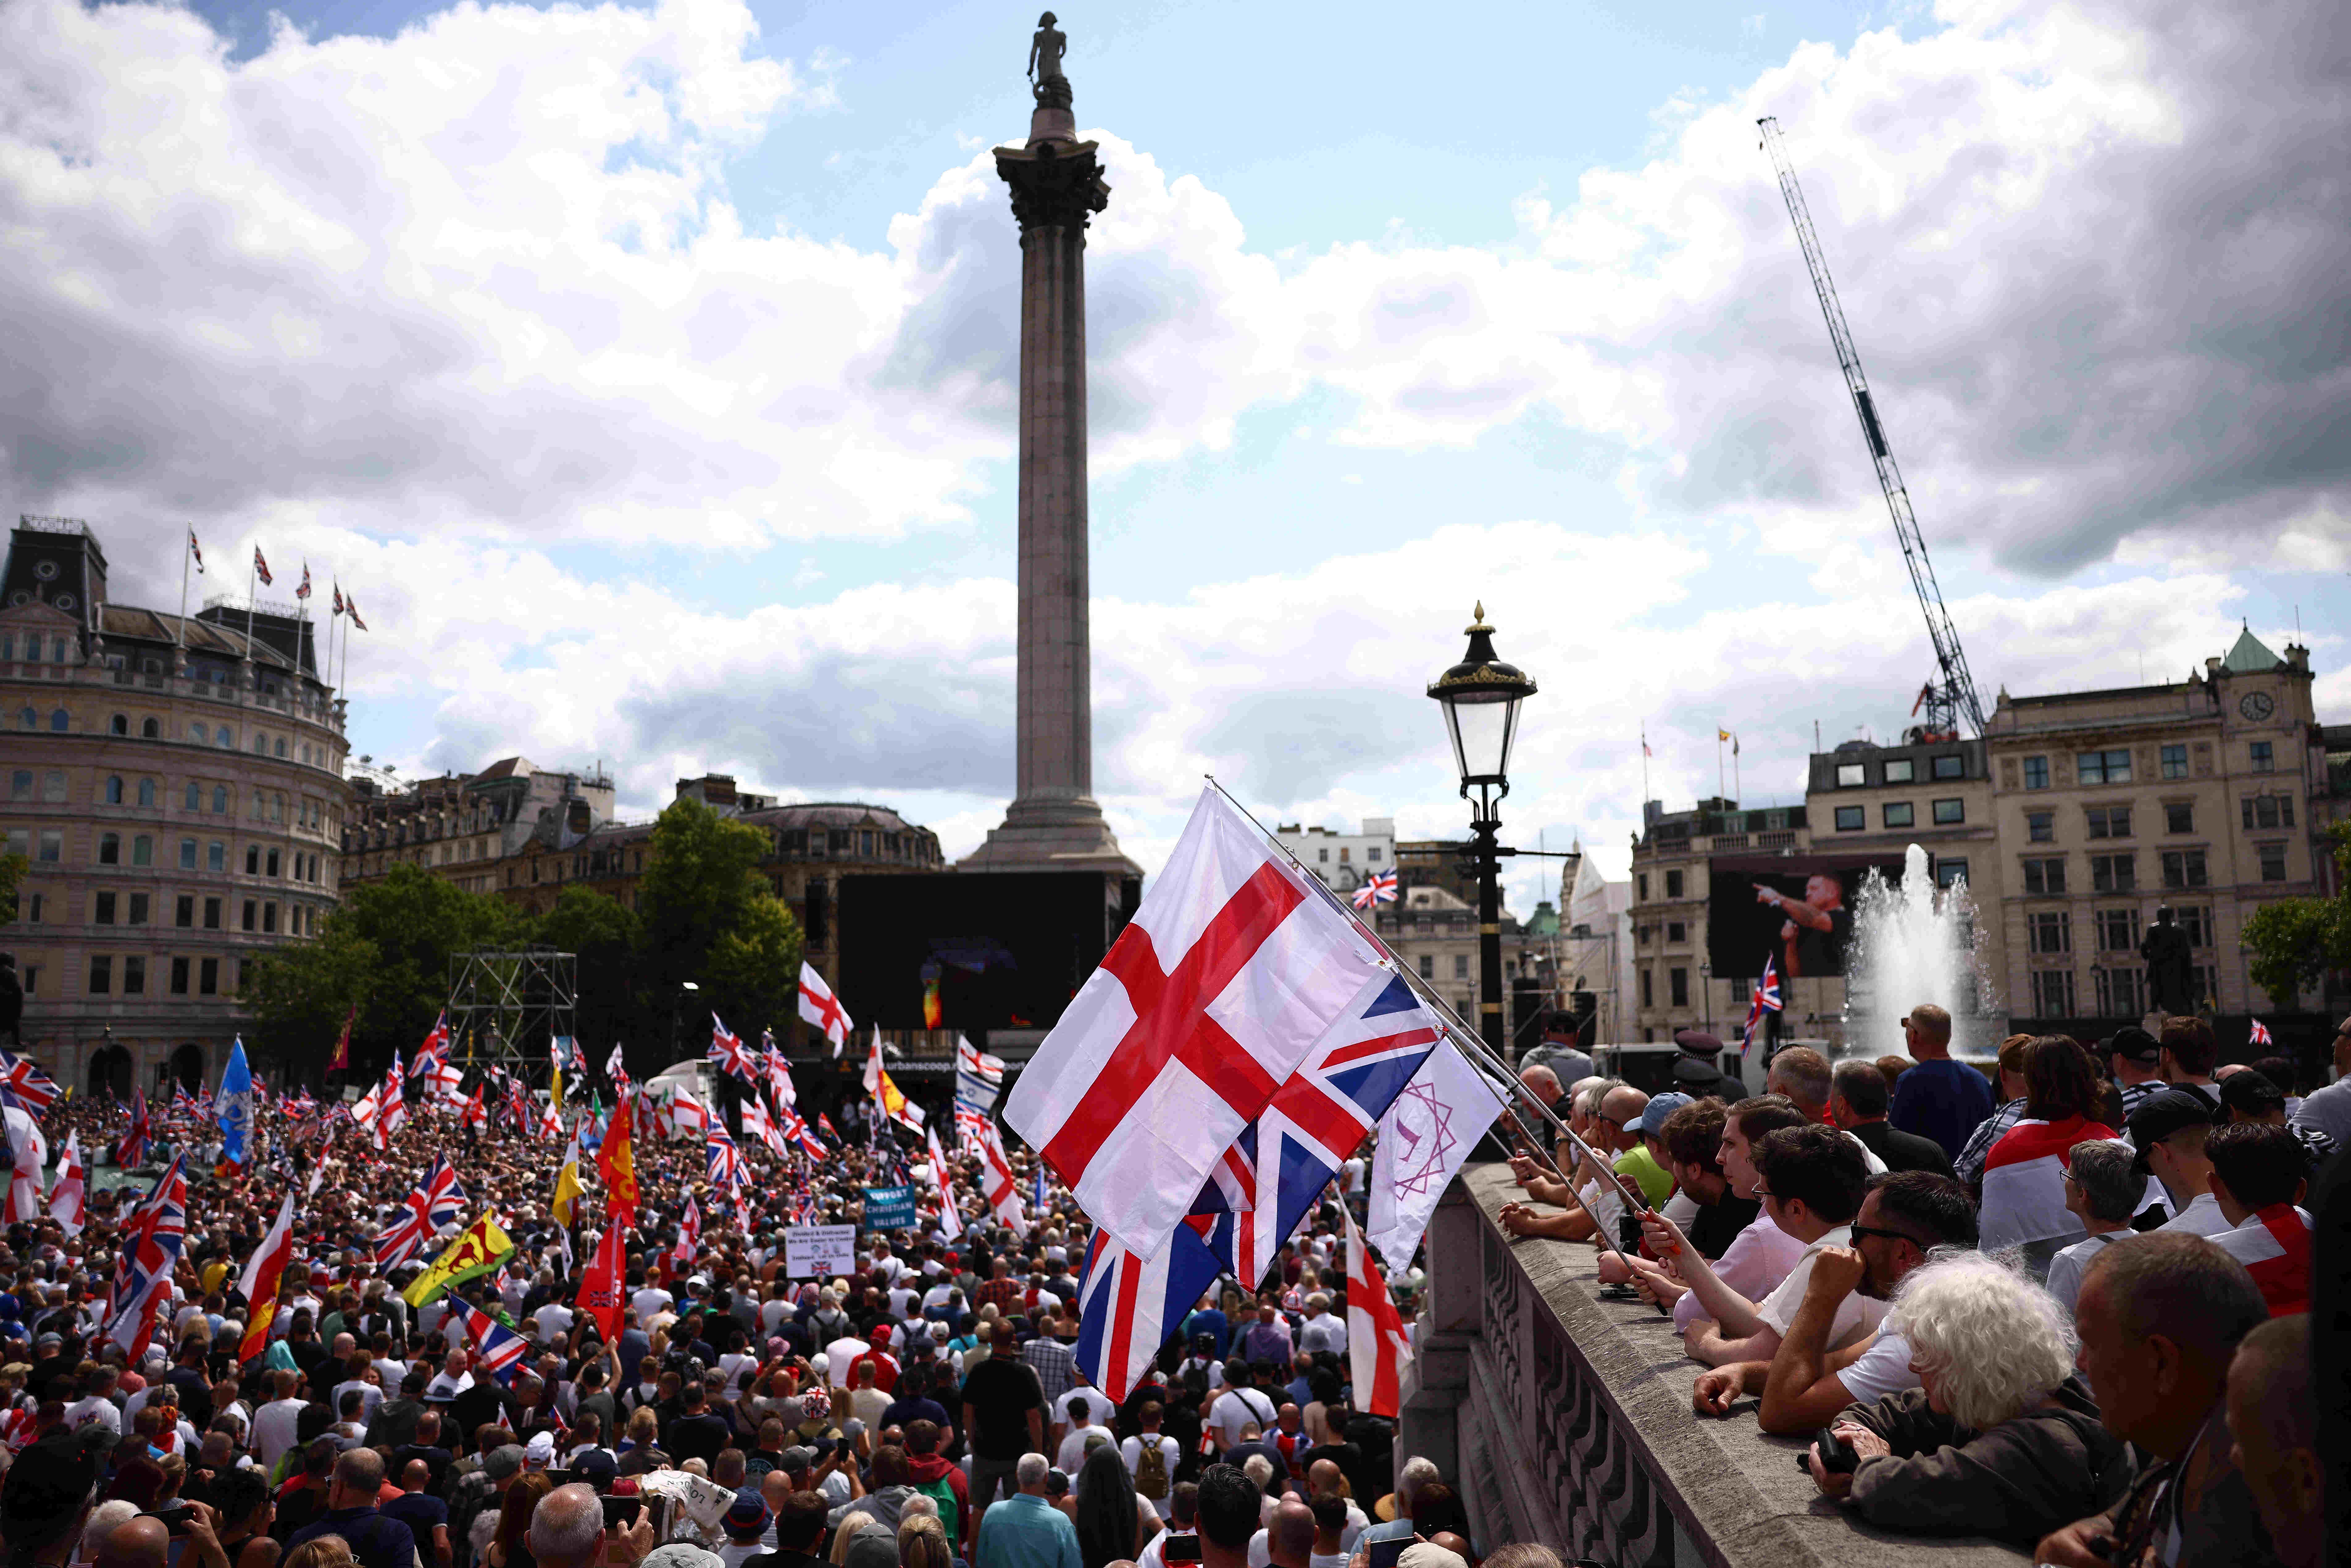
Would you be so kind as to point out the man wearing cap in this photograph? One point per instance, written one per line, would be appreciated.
(2135, 1060)
(1940, 1098)
(746, 1523)
(2168, 1131)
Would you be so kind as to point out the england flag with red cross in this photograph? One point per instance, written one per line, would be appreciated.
(1235, 966)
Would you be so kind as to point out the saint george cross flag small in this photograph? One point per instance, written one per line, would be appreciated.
(1217, 988)
(1378, 1349)
(820, 1007)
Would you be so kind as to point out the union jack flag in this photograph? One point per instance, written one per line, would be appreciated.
(779, 1072)
(35, 1090)
(1273, 1174)
(501, 1349)
(795, 1132)
(726, 1051)
(727, 1171)
(182, 1103)
(1127, 1306)
(567, 1050)
(438, 1200)
(2259, 1036)
(1380, 887)
(151, 1242)
(435, 1052)
(1765, 998)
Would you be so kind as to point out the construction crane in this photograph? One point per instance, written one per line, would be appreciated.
(1953, 699)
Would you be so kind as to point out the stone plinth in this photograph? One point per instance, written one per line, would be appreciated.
(1565, 1418)
(1054, 823)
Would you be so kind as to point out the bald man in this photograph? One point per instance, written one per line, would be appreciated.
(1290, 1536)
(141, 1542)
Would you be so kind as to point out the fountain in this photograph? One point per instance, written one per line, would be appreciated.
(1917, 943)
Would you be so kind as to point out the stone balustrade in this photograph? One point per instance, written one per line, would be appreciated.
(1564, 1417)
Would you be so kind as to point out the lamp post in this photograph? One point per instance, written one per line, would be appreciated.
(1480, 696)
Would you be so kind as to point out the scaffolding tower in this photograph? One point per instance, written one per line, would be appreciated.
(506, 1006)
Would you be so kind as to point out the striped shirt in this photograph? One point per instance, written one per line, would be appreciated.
(1970, 1167)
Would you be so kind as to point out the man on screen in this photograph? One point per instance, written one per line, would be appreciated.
(1813, 935)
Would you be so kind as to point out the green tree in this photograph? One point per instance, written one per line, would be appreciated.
(710, 918)
(12, 872)
(607, 939)
(2297, 942)
(300, 995)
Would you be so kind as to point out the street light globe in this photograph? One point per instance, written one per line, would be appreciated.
(1480, 696)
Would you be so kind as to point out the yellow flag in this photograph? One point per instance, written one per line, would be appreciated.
(479, 1247)
(567, 1188)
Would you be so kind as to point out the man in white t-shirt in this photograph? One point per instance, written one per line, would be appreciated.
(1238, 1405)
(1084, 1404)
(1812, 1179)
(554, 1318)
(651, 1299)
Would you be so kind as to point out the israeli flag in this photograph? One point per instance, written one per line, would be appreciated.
(234, 1103)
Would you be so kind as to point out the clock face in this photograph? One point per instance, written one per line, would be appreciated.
(2256, 705)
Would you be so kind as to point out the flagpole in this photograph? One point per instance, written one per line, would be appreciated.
(252, 562)
(181, 639)
(1717, 762)
(1737, 788)
(1645, 767)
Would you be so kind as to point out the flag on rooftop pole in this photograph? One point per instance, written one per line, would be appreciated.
(1219, 987)
(198, 551)
(261, 567)
(259, 1281)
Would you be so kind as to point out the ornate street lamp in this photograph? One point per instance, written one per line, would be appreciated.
(1480, 696)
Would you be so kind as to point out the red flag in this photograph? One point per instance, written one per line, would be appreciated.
(617, 1163)
(342, 1057)
(259, 1282)
(261, 567)
(1377, 1346)
(599, 1288)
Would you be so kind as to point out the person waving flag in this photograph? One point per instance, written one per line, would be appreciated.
(258, 1283)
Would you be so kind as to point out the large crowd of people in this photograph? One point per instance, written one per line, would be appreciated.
(2063, 1301)
(919, 1406)
(2059, 1306)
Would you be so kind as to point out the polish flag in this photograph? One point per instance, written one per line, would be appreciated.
(2273, 1244)
(69, 1198)
(820, 1007)
(259, 1280)
(1218, 990)
(1378, 1349)
(2025, 1181)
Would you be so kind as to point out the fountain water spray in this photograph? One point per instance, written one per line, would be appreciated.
(1917, 943)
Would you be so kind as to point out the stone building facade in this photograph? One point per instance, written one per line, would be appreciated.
(524, 834)
(177, 787)
(1342, 862)
(2073, 819)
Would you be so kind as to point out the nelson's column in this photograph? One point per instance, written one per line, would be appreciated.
(1053, 822)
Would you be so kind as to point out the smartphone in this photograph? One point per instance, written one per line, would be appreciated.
(1186, 1549)
(621, 1512)
(1386, 1553)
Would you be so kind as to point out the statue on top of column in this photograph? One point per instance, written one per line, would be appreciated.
(1045, 52)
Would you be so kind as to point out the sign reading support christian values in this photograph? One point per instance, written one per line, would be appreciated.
(814, 1251)
(890, 1208)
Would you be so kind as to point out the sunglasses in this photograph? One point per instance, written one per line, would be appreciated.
(1861, 1230)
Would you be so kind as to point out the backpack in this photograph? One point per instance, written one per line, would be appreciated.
(941, 1490)
(1151, 1469)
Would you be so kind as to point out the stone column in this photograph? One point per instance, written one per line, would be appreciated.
(1053, 822)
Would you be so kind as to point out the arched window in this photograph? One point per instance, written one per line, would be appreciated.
(227, 741)
(113, 790)
(57, 650)
(60, 721)
(28, 719)
(150, 730)
(278, 808)
(198, 734)
(260, 745)
(220, 798)
(109, 848)
(143, 850)
(118, 724)
(195, 795)
(146, 791)
(281, 746)
(53, 787)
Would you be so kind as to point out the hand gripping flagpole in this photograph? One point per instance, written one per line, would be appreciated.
(1472, 1047)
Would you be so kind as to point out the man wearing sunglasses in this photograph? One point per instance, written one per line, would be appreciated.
(1903, 1217)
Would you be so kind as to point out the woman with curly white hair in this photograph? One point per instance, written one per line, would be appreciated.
(2001, 1440)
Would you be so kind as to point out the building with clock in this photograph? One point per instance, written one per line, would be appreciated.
(176, 787)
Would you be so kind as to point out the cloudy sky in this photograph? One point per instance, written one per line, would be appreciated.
(646, 372)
